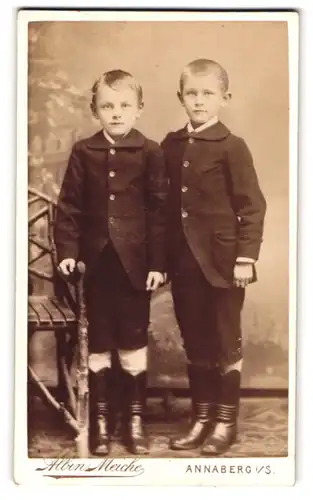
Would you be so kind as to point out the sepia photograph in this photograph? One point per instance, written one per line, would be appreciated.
(156, 247)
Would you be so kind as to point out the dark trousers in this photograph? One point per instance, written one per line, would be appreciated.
(209, 318)
(118, 314)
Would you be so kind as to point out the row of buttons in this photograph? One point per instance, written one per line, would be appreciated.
(186, 164)
(112, 174)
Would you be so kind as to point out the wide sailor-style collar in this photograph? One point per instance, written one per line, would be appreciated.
(216, 132)
(134, 139)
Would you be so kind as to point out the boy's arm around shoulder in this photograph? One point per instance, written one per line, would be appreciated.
(157, 186)
(248, 199)
(69, 208)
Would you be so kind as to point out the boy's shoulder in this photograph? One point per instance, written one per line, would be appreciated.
(174, 134)
(236, 145)
(149, 144)
(84, 142)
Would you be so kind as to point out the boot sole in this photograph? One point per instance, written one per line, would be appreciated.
(184, 448)
(177, 447)
(138, 452)
(218, 453)
(131, 448)
(101, 452)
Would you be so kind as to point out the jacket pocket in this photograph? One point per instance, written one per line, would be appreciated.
(224, 237)
(224, 253)
(207, 167)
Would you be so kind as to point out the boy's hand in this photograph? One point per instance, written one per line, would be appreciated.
(67, 266)
(243, 274)
(154, 280)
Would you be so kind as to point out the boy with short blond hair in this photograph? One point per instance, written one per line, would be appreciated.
(111, 215)
(215, 228)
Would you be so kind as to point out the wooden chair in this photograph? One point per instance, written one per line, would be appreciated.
(58, 306)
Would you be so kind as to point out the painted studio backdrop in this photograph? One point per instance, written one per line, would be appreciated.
(64, 60)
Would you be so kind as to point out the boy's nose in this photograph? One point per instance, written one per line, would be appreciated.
(198, 100)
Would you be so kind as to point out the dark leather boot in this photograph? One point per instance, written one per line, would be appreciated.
(134, 434)
(224, 433)
(203, 385)
(99, 412)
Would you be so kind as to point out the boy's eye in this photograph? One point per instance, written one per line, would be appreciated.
(191, 92)
(207, 92)
(106, 105)
(125, 105)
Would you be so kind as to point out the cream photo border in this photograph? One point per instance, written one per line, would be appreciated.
(154, 471)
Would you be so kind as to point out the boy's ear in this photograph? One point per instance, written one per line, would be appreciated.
(180, 97)
(227, 97)
(93, 111)
(141, 105)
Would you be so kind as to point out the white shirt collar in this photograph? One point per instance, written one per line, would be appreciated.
(109, 138)
(205, 125)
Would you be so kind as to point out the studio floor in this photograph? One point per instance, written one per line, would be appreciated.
(263, 430)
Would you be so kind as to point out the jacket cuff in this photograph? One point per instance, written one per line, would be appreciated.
(245, 260)
(157, 264)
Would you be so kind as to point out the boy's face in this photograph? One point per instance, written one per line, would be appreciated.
(202, 97)
(117, 109)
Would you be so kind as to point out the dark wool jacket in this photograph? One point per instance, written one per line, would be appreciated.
(214, 200)
(118, 193)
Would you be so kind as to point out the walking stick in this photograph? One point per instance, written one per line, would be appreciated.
(82, 408)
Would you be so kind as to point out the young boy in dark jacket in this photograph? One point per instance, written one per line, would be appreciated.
(215, 227)
(111, 215)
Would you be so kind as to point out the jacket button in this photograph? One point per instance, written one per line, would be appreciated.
(191, 140)
(184, 214)
(112, 173)
(112, 151)
(111, 220)
(186, 163)
(184, 189)
(112, 197)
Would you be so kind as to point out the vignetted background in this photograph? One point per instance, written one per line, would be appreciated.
(64, 60)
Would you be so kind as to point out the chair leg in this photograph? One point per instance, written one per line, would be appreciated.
(71, 346)
(62, 393)
(64, 356)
